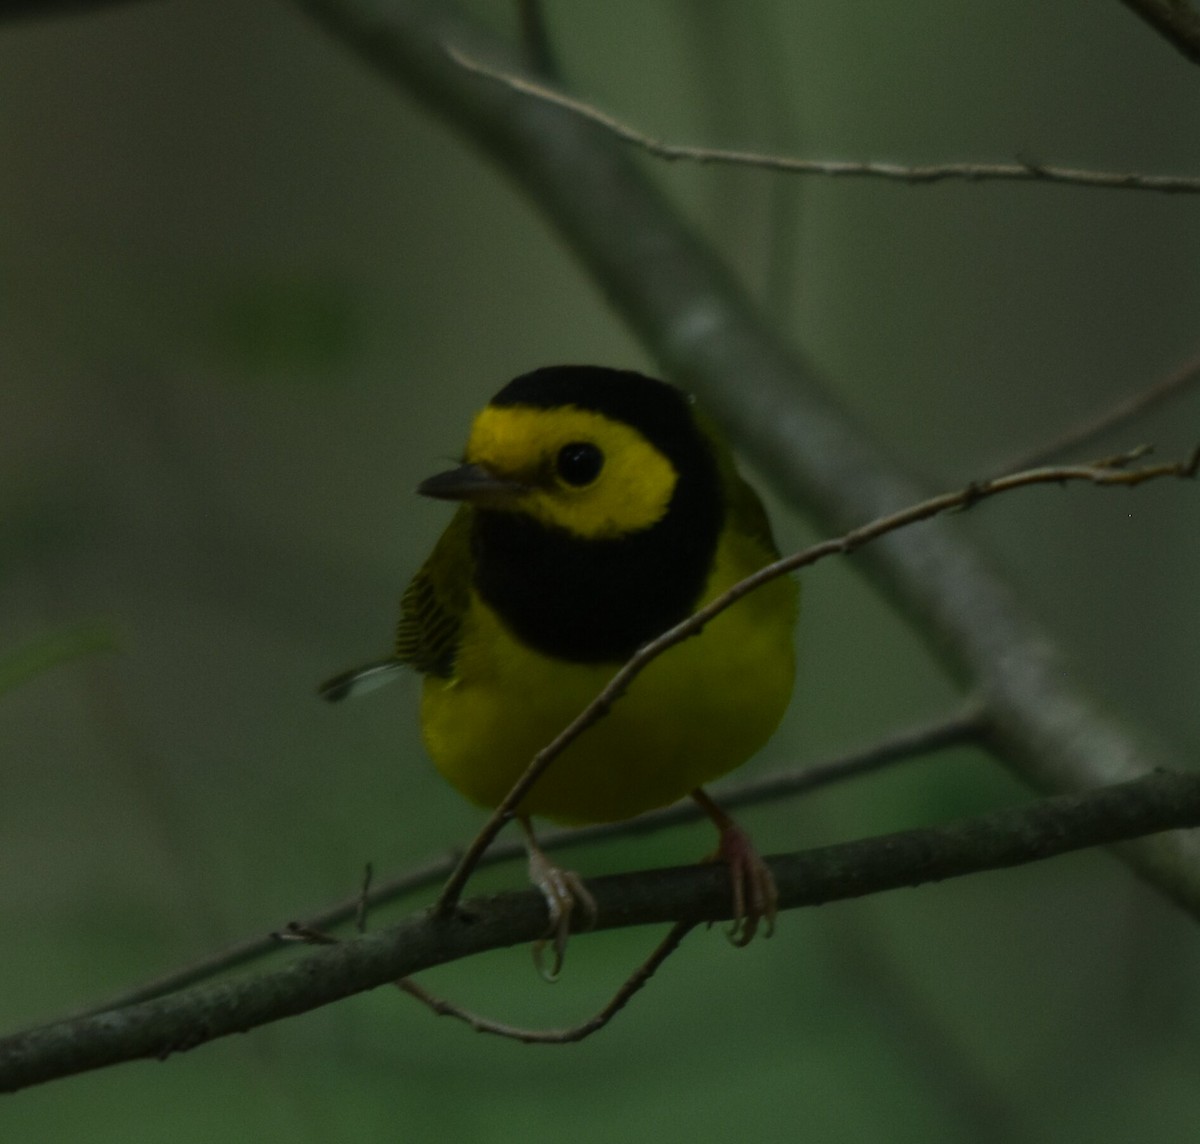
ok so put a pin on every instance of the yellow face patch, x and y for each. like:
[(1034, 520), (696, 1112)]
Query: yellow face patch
[(630, 490)]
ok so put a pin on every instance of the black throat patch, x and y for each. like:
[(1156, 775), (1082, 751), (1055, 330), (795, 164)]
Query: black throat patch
[(597, 601)]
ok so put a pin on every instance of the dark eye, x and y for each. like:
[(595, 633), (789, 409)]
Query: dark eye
[(579, 463)]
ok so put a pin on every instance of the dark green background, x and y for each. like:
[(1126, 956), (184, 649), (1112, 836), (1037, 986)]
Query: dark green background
[(250, 296)]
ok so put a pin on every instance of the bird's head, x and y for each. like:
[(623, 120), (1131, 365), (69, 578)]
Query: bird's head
[(590, 451)]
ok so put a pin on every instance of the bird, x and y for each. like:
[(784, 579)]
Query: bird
[(597, 507)]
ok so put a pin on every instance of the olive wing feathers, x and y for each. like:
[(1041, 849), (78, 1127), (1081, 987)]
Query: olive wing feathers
[(435, 602)]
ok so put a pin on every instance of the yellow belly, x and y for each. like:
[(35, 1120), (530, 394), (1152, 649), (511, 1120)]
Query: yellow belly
[(693, 714)]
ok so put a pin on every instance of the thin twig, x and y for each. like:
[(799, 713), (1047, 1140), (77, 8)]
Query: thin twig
[(920, 740), (443, 1008), (1120, 413), (965, 726), (632, 985), (1025, 170), (689, 312), (1109, 471)]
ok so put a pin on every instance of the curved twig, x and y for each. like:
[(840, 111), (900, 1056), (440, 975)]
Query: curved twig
[(631, 986), (1109, 471), (690, 314)]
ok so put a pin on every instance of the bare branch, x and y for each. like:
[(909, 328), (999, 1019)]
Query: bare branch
[(966, 726), (1175, 20), (1025, 170), (1110, 471), (632, 985), (1008, 837), (691, 315)]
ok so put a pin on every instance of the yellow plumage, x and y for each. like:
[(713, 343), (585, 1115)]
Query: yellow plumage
[(695, 713), (597, 510)]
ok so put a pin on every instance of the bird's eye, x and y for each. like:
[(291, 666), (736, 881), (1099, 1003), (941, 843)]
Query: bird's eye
[(579, 463)]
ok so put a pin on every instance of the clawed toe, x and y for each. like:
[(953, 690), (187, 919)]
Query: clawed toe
[(755, 895), (564, 891)]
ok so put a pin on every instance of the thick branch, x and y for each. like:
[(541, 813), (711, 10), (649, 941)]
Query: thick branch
[(155, 1029), (684, 305), (965, 727)]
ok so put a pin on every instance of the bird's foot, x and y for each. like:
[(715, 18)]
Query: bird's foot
[(755, 895), (564, 891)]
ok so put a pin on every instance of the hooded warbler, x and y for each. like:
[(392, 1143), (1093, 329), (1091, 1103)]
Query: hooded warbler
[(596, 510)]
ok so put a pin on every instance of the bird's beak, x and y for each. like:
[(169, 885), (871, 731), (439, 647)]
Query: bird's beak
[(471, 483)]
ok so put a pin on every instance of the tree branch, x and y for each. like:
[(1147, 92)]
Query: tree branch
[(965, 726), (1024, 171), (1009, 837), (1112, 471), (685, 306), (573, 1033), (969, 724), (1175, 20)]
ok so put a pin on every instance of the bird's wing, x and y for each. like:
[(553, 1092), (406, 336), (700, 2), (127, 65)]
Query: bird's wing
[(433, 606)]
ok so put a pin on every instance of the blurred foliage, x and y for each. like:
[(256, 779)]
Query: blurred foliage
[(22, 664), (249, 297), (287, 329)]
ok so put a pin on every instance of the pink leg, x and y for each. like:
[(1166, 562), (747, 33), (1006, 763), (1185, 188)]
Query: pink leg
[(755, 897), (563, 891)]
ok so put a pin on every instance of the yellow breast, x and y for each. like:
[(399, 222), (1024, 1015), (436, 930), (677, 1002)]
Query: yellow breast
[(693, 714)]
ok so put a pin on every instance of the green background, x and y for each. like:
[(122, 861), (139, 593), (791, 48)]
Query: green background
[(250, 296)]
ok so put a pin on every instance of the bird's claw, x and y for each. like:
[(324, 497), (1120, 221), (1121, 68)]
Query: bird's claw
[(755, 895), (564, 891)]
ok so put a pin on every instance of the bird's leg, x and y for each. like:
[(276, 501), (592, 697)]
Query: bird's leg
[(755, 897), (563, 891)]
